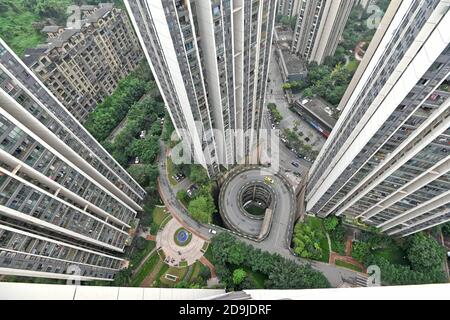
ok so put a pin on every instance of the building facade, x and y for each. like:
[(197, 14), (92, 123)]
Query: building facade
[(386, 163), (83, 65), (320, 24), (288, 8), (211, 61), (65, 203)]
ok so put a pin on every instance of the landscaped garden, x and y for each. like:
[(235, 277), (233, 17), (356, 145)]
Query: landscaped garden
[(241, 266), (417, 259), (310, 240)]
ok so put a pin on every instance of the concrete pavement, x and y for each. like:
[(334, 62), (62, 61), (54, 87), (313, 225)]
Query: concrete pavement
[(191, 252)]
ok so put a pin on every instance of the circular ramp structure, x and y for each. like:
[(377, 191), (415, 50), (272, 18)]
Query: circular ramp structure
[(252, 199)]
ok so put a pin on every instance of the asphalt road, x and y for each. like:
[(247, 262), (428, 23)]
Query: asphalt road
[(282, 210), (277, 241)]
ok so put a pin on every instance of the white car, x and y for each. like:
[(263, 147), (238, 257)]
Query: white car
[(136, 161), (212, 231)]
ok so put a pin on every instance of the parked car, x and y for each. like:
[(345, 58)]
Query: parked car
[(191, 190), (179, 176), (212, 231), (142, 135), (295, 164), (268, 180), (136, 161)]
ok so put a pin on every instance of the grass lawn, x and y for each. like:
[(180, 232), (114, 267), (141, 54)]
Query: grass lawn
[(165, 221), (138, 256), (208, 254), (159, 215), (148, 267), (160, 274), (317, 225), (178, 272), (393, 254), (352, 65), (171, 171), (347, 265), (197, 267)]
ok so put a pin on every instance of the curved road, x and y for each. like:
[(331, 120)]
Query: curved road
[(277, 241), (283, 211)]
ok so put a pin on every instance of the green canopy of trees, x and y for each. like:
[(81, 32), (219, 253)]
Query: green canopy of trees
[(275, 112), (424, 253), (446, 229), (198, 174), (202, 208), (306, 242), (425, 259), (228, 252), (239, 276)]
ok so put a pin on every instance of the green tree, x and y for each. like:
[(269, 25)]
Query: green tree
[(239, 276), (330, 223), (146, 149), (424, 252), (361, 251), (198, 174), (202, 208), (145, 175), (446, 229), (306, 242), (183, 196)]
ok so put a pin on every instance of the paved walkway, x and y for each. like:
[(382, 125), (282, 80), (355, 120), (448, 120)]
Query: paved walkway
[(208, 264), (348, 247), (174, 253), (335, 257)]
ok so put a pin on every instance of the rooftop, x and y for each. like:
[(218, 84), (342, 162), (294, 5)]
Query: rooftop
[(321, 109), (33, 54), (50, 29), (293, 63)]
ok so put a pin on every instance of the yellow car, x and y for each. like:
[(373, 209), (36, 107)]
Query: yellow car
[(268, 180)]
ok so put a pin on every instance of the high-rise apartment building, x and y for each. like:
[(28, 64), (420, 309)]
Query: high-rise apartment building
[(288, 7), (83, 64), (386, 162), (64, 200), (210, 59), (319, 28)]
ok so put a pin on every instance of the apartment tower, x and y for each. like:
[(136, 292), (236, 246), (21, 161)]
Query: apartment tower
[(386, 162), (319, 28), (288, 8), (65, 203), (83, 64), (210, 59)]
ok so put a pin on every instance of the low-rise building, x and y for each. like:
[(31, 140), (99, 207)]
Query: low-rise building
[(292, 68)]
